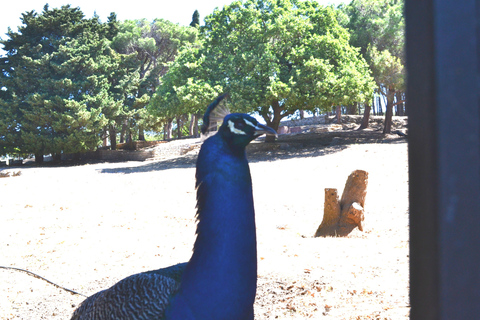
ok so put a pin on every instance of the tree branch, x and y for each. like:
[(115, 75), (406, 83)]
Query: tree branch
[(42, 278)]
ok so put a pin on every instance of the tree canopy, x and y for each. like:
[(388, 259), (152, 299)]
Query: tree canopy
[(276, 57), (195, 19), (150, 46), (67, 82), (56, 86), (377, 28)]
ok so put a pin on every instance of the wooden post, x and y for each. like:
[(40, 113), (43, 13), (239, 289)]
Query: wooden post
[(331, 214), (341, 217), (443, 62)]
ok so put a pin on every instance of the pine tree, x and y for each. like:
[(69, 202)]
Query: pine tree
[(59, 94), (149, 47), (377, 28), (195, 20)]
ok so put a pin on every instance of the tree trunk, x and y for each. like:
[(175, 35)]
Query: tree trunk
[(275, 122), (113, 137), (338, 110), (39, 157), (193, 128), (128, 134), (104, 137), (389, 113), (123, 132), (179, 127), (191, 125), (141, 134), (341, 217), (398, 97), (169, 127), (366, 117), (352, 109), (196, 132)]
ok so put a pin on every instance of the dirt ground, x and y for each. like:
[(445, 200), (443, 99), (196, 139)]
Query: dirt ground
[(87, 226)]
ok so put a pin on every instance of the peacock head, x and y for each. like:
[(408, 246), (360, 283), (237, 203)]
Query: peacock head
[(238, 129)]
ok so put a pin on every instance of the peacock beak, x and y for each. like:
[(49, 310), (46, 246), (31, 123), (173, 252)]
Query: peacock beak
[(262, 129)]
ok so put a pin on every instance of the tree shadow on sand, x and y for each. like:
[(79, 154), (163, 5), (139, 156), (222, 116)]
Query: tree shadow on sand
[(286, 147)]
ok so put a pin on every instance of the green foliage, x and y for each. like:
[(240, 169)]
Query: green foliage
[(387, 69), (184, 89), (195, 19), (67, 81), (150, 46), (378, 29), (55, 78), (153, 45), (273, 56)]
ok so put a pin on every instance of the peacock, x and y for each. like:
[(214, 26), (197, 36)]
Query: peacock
[(219, 281)]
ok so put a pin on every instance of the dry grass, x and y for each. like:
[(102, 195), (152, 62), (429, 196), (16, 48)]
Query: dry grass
[(85, 227)]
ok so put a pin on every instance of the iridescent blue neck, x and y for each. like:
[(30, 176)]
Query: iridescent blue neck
[(222, 273)]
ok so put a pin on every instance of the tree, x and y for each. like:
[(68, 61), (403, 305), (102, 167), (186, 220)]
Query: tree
[(185, 89), (151, 46), (377, 28), (279, 56), (195, 19), (388, 71), (57, 94)]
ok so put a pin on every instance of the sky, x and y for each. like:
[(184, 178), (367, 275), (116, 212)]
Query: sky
[(177, 11)]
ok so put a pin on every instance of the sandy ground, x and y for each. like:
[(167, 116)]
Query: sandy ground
[(85, 227)]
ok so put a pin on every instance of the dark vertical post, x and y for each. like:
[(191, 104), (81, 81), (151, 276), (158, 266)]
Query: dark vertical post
[(443, 93), (423, 166)]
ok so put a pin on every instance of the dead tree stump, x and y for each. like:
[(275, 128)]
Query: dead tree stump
[(341, 217)]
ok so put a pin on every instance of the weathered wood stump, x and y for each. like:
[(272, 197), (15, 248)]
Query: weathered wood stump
[(341, 217)]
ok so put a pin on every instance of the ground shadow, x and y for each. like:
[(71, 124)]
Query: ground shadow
[(186, 161), (286, 147)]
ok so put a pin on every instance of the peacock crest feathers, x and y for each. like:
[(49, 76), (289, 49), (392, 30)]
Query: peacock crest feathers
[(215, 114)]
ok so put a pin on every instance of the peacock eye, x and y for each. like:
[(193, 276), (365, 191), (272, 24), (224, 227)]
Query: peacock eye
[(239, 124)]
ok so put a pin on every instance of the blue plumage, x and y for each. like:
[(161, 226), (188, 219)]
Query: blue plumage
[(219, 281)]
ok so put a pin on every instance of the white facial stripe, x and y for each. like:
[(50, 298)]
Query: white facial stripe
[(249, 123), (231, 125)]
